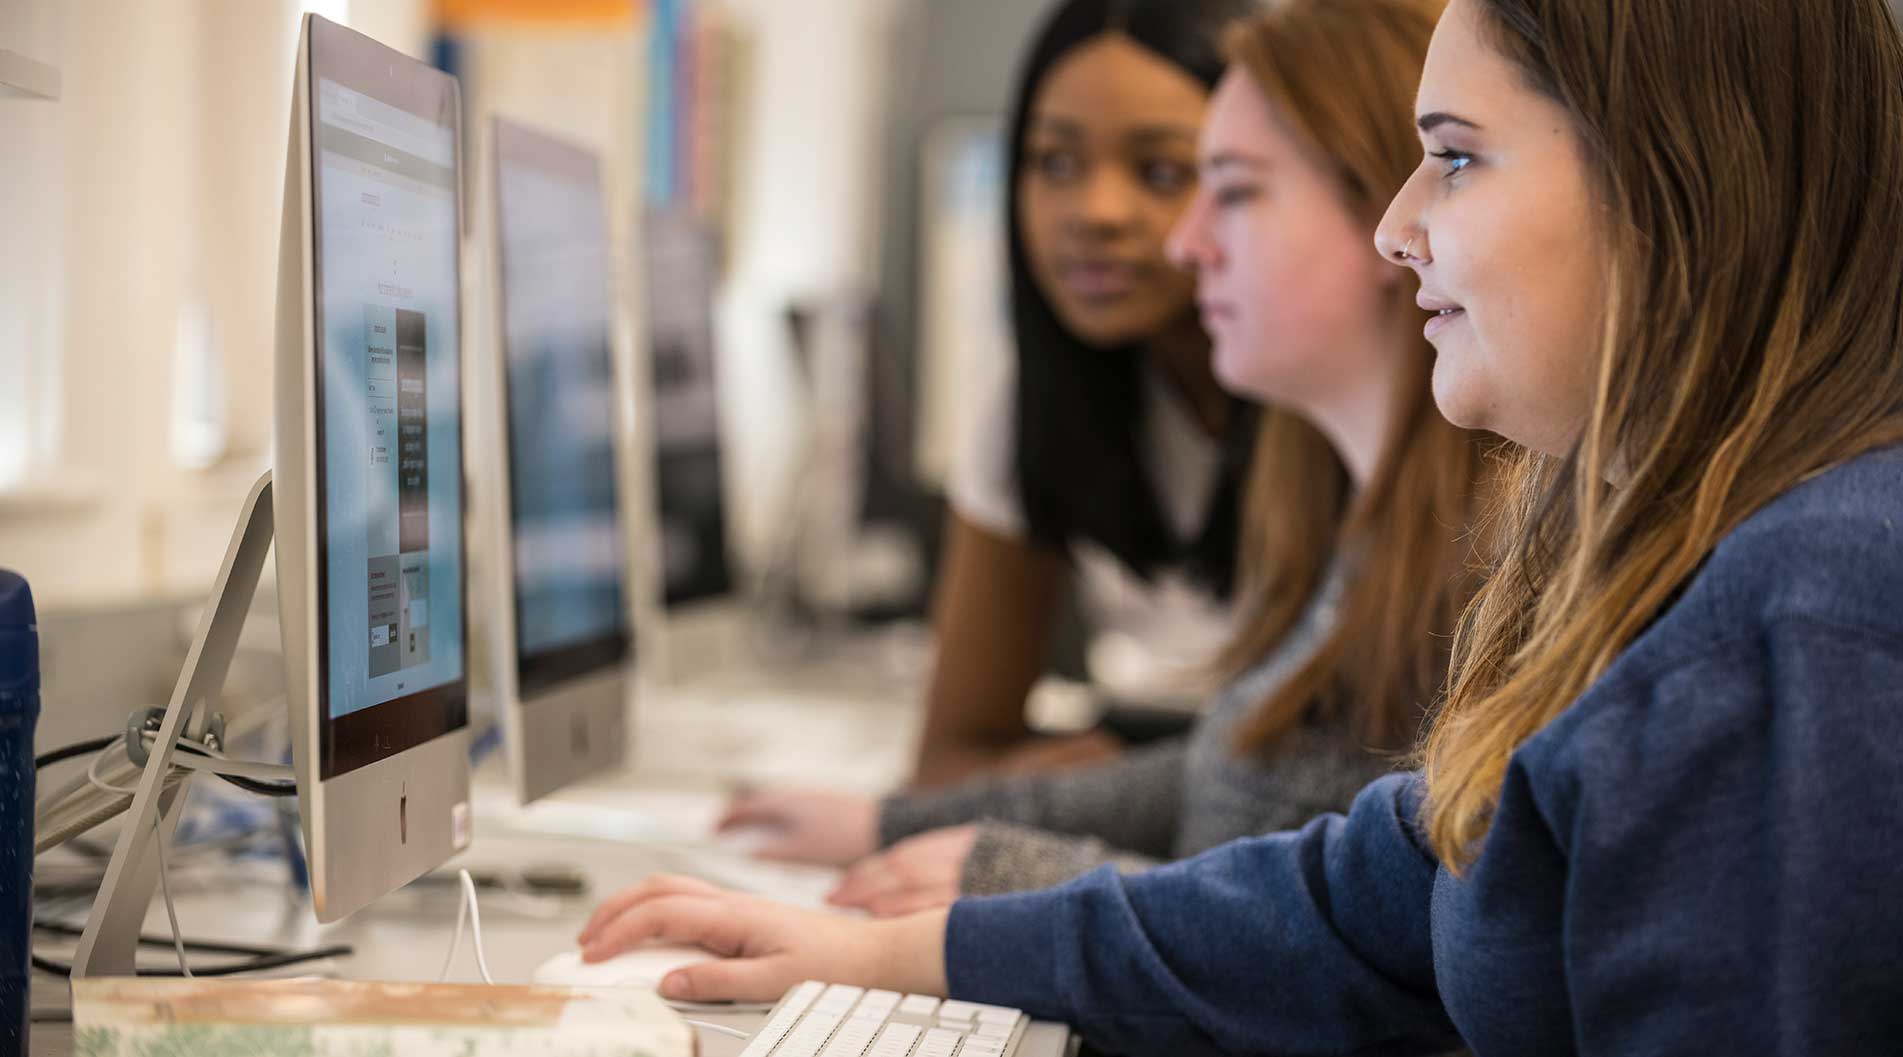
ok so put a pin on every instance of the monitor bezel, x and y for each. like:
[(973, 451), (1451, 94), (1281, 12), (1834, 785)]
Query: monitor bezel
[(356, 740)]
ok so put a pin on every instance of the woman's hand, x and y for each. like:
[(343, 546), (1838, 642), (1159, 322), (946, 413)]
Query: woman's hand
[(765, 947), (809, 826), (918, 873)]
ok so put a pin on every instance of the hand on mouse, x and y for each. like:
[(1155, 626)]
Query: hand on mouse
[(812, 826), (766, 947), (915, 874)]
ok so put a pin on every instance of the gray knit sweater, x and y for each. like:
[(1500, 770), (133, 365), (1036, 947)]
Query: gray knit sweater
[(1158, 803)]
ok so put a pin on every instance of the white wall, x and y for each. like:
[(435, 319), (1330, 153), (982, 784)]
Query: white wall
[(171, 150), (30, 255), (808, 194)]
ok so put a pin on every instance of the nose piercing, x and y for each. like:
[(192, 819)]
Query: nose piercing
[(1407, 250)]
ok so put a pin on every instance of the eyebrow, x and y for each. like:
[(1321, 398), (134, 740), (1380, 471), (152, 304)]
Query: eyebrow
[(1430, 122), (1233, 160), (1163, 134), (1144, 134)]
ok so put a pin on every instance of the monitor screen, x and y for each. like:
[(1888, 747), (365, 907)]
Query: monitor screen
[(680, 256), (389, 408), (552, 232)]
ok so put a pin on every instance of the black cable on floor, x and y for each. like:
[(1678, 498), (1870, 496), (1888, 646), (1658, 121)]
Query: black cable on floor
[(61, 928), (81, 748), (254, 965)]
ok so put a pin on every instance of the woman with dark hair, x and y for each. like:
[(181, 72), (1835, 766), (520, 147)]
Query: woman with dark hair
[(1659, 811), (1105, 456), (1112, 455)]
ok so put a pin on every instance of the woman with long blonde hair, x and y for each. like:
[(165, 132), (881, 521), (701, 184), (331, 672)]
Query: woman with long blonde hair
[(1661, 807)]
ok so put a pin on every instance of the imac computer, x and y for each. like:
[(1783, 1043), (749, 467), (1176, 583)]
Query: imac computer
[(368, 475), (562, 647), (364, 504)]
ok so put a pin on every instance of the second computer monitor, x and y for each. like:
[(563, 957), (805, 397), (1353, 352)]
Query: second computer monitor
[(564, 647)]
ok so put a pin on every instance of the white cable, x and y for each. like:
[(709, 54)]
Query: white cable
[(467, 908), (720, 1029), (51, 795), (475, 925), (165, 886), (92, 776)]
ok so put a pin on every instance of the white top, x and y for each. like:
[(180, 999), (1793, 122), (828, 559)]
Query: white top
[(1149, 642)]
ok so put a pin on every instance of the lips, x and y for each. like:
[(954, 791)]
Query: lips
[(1445, 313), (1099, 280)]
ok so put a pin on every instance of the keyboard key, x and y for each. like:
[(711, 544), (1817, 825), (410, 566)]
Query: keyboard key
[(852, 1038), (783, 1019), (895, 1041), (939, 1042), (977, 1047), (919, 1005), (957, 1012), (993, 1029), (839, 998), (812, 1033), (878, 1004), (997, 1015)]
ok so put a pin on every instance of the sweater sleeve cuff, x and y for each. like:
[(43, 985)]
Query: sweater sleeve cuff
[(903, 815), (1007, 858), (999, 950)]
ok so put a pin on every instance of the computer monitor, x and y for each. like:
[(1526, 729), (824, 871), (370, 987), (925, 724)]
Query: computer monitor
[(562, 649), (368, 476), (680, 258)]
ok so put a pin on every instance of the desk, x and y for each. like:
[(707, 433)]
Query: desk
[(835, 719)]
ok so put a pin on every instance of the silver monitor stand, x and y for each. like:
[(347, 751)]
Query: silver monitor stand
[(110, 942)]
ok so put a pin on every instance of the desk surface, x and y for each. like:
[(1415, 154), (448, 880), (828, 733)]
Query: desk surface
[(691, 745)]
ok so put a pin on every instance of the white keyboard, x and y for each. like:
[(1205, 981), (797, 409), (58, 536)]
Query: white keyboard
[(821, 1020)]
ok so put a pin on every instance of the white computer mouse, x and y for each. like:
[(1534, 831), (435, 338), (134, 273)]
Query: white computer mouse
[(643, 967)]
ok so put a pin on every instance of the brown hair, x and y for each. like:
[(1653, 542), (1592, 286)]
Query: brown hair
[(1749, 160), (1343, 74)]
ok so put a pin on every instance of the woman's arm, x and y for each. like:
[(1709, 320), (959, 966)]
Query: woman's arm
[(996, 606), (1314, 941), (1310, 941), (1133, 802), (1034, 831)]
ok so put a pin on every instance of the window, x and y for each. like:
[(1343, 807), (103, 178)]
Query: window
[(32, 264)]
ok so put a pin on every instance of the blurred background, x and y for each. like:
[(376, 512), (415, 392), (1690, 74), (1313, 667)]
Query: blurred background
[(834, 164)]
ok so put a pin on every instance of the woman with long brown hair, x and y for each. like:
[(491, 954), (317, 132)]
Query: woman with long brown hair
[(1355, 559), (1662, 805)]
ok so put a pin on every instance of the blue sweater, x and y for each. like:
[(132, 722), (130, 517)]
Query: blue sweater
[(1703, 854)]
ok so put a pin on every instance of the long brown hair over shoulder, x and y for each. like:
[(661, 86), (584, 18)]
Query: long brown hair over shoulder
[(1748, 157), (1343, 74)]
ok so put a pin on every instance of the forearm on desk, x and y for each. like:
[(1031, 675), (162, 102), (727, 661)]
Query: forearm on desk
[(1133, 802)]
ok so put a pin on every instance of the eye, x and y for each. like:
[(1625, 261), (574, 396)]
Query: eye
[(1236, 195), (1167, 177), (1456, 161), (1056, 166)]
